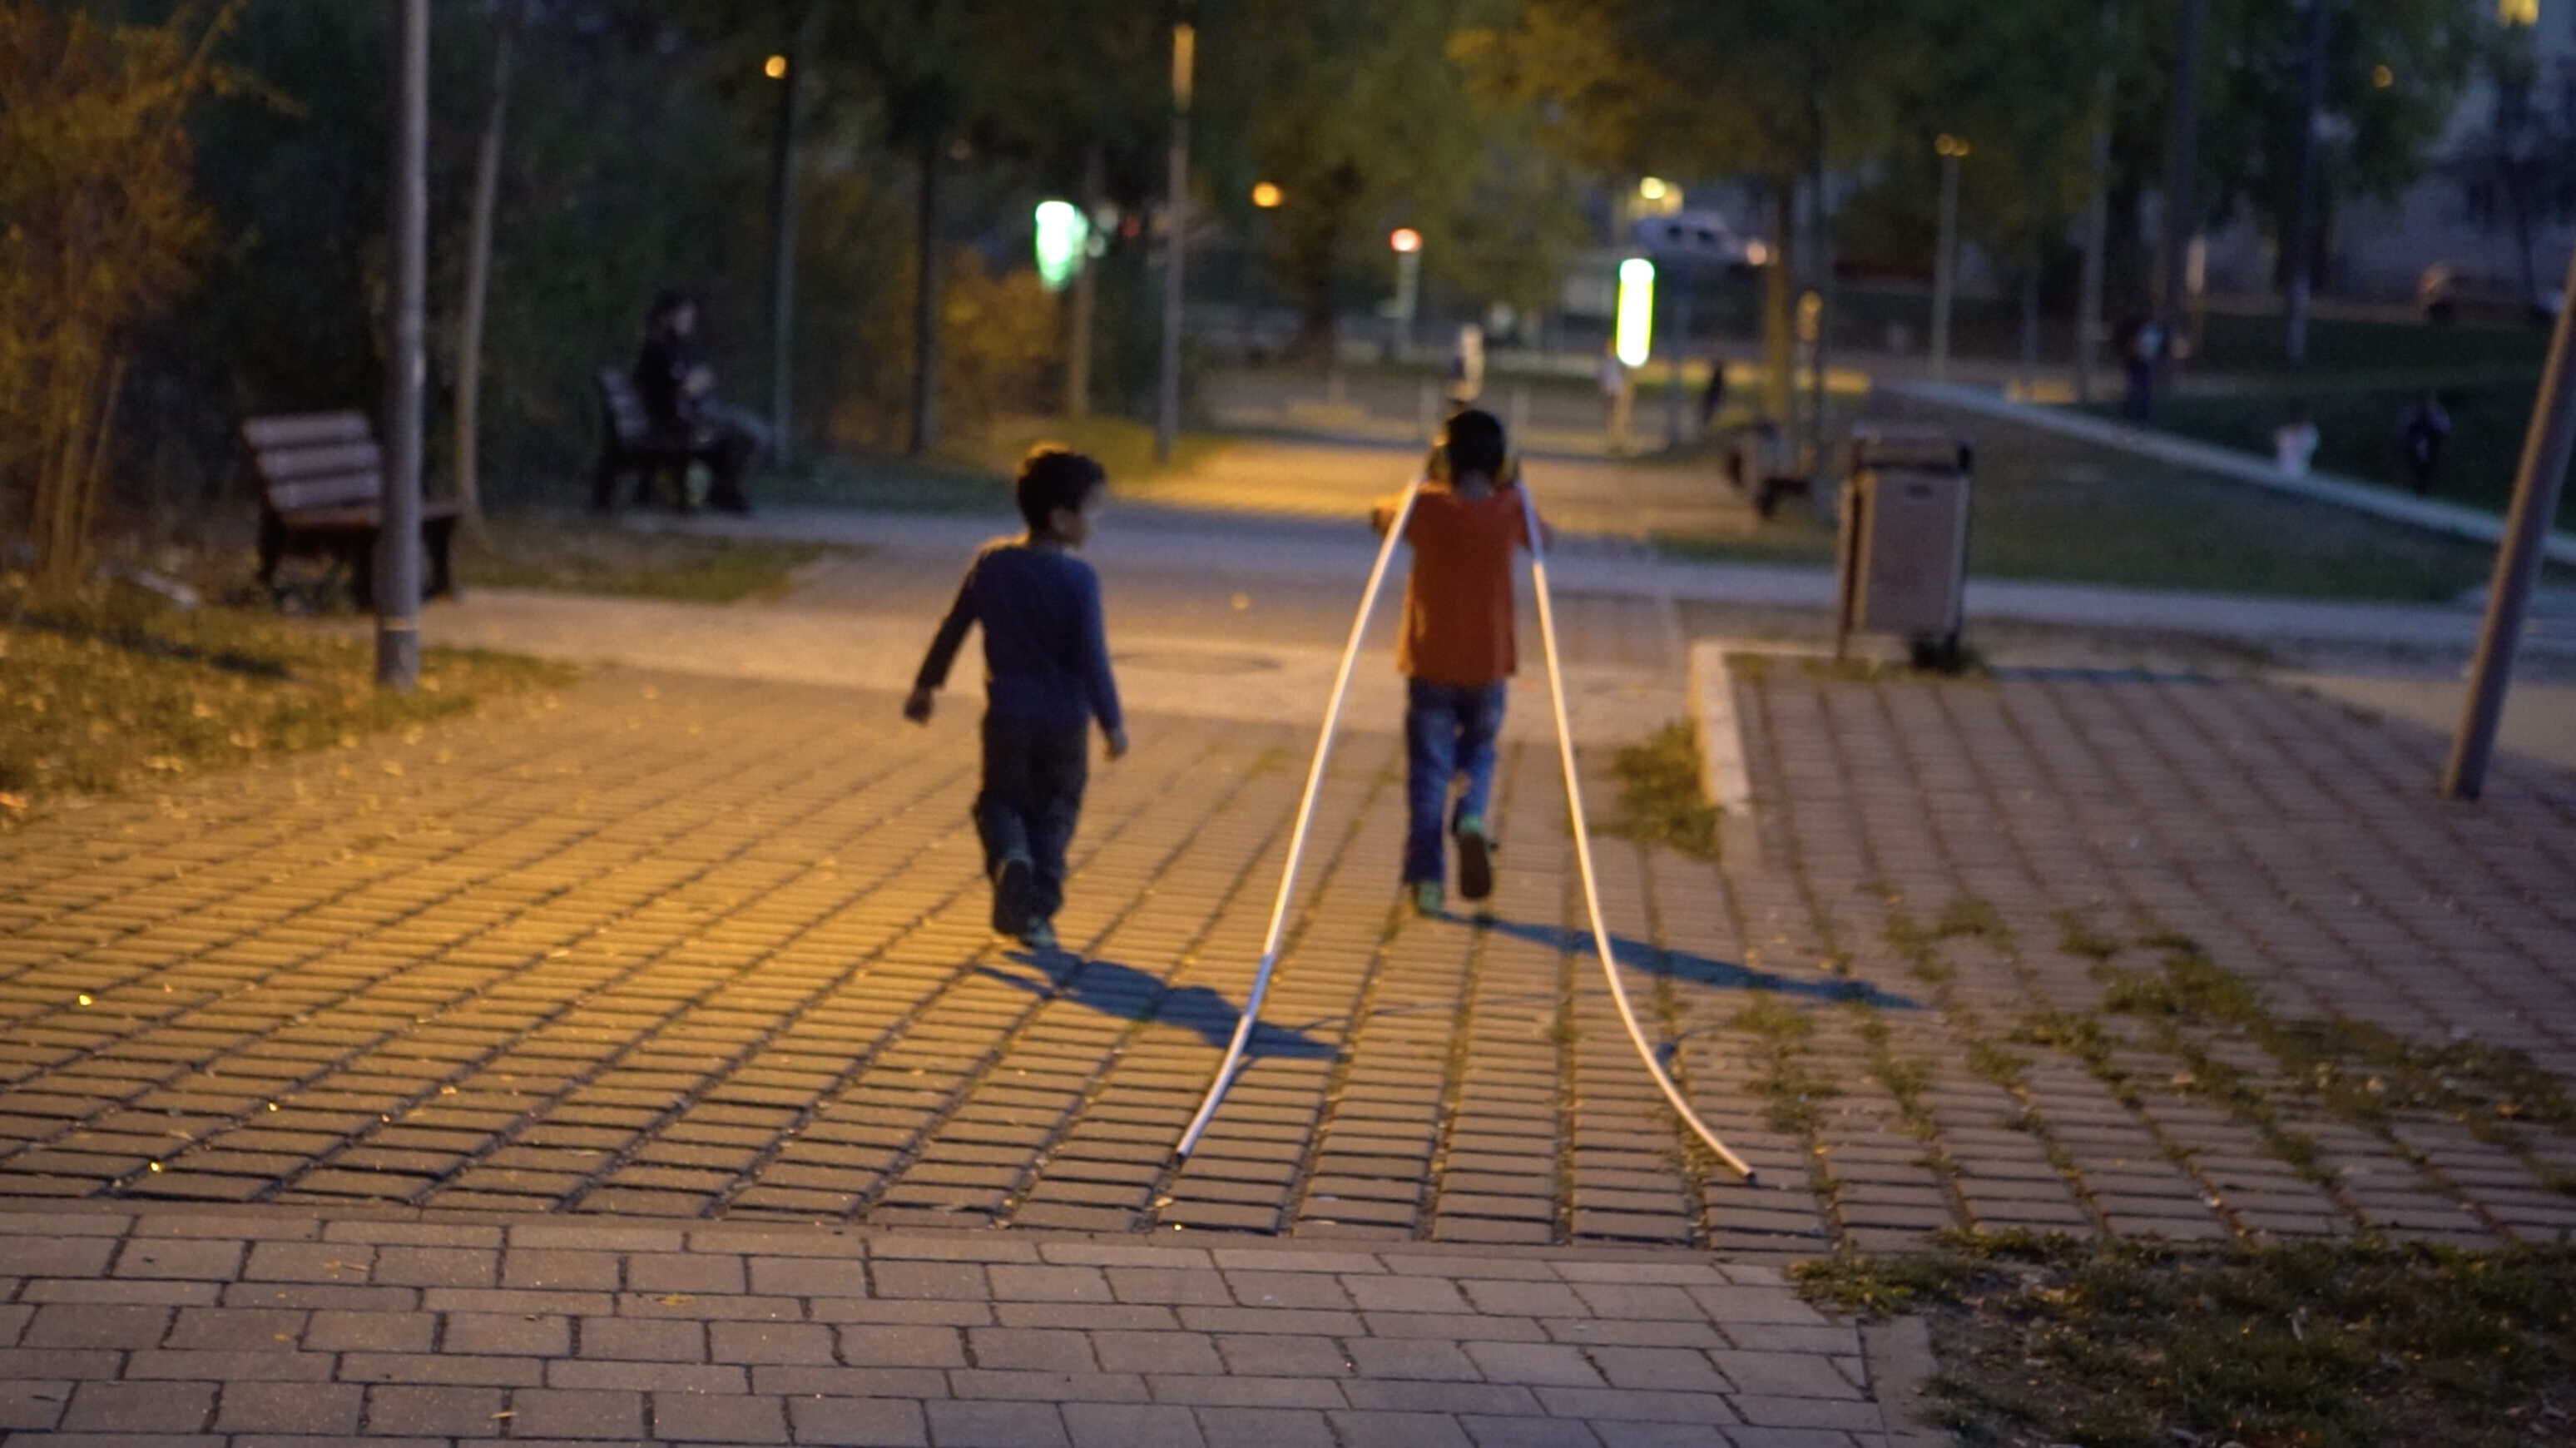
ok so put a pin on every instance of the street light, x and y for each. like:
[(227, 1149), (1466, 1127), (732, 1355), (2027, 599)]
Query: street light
[(1407, 246), (1945, 262), (1267, 196), (1634, 337), (1063, 238), (776, 69)]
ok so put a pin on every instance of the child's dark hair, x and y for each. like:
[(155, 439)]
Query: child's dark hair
[(1473, 443), (1053, 477)]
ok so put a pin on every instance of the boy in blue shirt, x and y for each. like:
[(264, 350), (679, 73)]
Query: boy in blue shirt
[(1046, 678)]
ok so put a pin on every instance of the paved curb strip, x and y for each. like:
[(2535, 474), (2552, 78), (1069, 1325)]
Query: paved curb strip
[(1723, 780)]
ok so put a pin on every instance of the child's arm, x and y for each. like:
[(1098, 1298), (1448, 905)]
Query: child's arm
[(1102, 684), (943, 651)]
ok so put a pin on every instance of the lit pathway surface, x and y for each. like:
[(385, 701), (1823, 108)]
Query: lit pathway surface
[(508, 1029)]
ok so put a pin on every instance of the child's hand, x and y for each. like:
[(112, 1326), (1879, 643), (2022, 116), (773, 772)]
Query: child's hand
[(916, 706), (1117, 744)]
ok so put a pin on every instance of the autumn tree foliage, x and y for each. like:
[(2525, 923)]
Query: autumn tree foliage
[(98, 232)]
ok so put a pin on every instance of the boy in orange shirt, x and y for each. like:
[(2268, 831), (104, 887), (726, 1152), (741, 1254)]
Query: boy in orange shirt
[(1457, 651)]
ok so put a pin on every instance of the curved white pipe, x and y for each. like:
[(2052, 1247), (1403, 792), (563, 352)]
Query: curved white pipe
[(1251, 1016), (1583, 849), (1244, 1024)]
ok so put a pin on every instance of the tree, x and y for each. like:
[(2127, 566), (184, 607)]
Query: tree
[(102, 230), (1999, 82), (2519, 164), (478, 265), (2394, 72), (1781, 91), (1356, 110)]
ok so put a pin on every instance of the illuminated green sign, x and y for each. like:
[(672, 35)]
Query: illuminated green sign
[(1063, 235)]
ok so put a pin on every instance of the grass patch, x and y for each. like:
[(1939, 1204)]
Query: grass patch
[(569, 555), (2357, 434), (1659, 795), (2044, 1340), (109, 690), (2058, 508)]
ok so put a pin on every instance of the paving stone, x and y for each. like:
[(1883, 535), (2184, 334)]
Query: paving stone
[(135, 1408), (290, 1408), (996, 1425), (695, 1418), (859, 1422), (1133, 1425)]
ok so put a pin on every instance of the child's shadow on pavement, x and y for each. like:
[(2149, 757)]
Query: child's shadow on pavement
[(1130, 994), (1681, 965)]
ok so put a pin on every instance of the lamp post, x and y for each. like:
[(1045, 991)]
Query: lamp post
[(1176, 207), (397, 580), (1945, 255), (1407, 245)]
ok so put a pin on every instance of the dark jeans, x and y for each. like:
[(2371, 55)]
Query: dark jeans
[(1449, 735), (1032, 796), (727, 441)]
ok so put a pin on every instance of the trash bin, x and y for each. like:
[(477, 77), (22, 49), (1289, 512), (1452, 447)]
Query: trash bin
[(1903, 560)]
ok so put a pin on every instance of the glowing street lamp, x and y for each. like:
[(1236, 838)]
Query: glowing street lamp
[(1063, 239), (776, 69), (1634, 338), (1267, 196), (1405, 240)]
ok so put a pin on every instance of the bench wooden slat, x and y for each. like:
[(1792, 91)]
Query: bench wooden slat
[(366, 518), (324, 492), (283, 465), (305, 429)]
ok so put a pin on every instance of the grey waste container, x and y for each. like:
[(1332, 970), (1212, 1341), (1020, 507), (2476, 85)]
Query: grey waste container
[(1903, 561)]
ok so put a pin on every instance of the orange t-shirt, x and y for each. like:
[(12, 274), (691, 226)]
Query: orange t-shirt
[(1458, 601)]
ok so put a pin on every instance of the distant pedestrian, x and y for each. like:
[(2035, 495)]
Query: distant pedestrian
[(1712, 398), (677, 389), (1046, 678), (2142, 349), (1618, 395), (2422, 434), (1467, 367), (2294, 444), (1456, 652)]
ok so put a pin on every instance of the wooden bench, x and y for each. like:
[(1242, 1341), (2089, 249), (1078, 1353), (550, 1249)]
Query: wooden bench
[(322, 484), (627, 445)]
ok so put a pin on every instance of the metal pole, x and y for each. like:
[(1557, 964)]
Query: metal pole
[(2294, 340), (1176, 208), (782, 237), (2097, 212), (2545, 450), (397, 580), (2182, 151), (1945, 259)]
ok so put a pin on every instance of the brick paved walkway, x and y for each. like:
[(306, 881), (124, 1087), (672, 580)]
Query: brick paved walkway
[(274, 1329)]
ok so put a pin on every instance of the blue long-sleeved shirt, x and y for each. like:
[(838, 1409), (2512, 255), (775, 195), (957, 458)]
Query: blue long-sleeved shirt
[(1046, 652)]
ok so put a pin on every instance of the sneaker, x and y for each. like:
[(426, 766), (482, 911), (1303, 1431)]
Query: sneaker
[(1011, 880), (1040, 935), (1426, 897), (1475, 858)]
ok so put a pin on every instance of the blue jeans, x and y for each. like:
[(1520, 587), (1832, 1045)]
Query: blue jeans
[(1449, 735), (1032, 797)]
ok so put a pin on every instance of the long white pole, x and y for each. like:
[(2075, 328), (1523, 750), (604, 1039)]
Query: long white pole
[(1583, 853), (1243, 1025)]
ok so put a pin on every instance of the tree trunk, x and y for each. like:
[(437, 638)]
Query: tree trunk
[(925, 297), (2030, 318), (1086, 300), (478, 267), (782, 234), (1779, 350), (1819, 416)]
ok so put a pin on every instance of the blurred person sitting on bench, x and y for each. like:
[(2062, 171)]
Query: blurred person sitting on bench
[(678, 391)]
